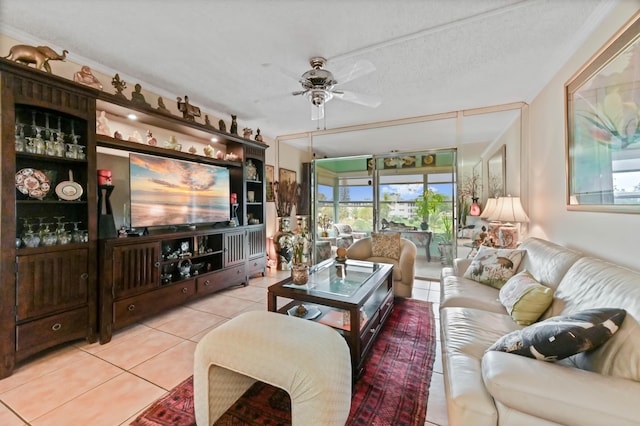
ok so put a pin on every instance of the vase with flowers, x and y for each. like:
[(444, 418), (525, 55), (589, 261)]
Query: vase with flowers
[(283, 240), (324, 223)]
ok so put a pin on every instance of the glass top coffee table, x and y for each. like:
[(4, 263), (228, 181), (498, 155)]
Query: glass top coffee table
[(341, 295)]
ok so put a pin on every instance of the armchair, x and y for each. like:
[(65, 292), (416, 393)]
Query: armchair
[(403, 268), (344, 235)]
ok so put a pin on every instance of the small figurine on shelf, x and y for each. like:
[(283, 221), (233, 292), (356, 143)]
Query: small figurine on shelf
[(192, 149), (172, 143), (222, 126), (208, 151), (84, 76), (37, 55), (117, 135), (207, 122), (161, 106), (102, 124), (119, 85), (189, 112), (234, 125), (150, 139), (247, 132), (137, 96), (135, 137), (258, 137)]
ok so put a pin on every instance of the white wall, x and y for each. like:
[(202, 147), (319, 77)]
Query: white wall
[(612, 236)]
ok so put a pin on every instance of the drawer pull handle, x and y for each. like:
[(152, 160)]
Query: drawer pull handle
[(207, 282), (56, 327), (157, 264), (84, 275), (184, 290), (131, 307)]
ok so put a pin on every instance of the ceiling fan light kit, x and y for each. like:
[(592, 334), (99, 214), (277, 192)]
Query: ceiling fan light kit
[(318, 85)]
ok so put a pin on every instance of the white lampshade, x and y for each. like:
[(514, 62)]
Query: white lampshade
[(509, 209), (489, 208)]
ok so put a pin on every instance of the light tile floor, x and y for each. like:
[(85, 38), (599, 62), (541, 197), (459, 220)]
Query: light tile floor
[(93, 384)]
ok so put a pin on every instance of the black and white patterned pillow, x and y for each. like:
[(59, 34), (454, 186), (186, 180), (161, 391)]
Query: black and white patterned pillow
[(560, 337)]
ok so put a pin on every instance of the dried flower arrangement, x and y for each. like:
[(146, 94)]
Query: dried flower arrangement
[(285, 194)]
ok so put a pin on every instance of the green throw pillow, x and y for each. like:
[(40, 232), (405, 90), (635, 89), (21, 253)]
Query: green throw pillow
[(561, 337), (525, 298), (494, 267)]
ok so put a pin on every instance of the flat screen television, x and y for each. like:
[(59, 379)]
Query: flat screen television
[(166, 191)]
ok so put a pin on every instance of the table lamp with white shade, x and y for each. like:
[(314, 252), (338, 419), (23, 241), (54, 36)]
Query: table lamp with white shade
[(510, 214)]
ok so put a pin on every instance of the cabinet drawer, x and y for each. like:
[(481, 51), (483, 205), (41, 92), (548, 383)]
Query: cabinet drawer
[(220, 280), (256, 265), (47, 332), (386, 307), (210, 283), (368, 333), (132, 309), (232, 276)]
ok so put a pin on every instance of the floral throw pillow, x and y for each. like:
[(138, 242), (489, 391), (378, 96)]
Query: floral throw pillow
[(560, 337), (494, 267), (385, 245)]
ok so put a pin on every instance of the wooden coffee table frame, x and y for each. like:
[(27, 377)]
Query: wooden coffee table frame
[(374, 298)]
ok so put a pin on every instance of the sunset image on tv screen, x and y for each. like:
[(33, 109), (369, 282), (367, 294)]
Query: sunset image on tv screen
[(166, 191)]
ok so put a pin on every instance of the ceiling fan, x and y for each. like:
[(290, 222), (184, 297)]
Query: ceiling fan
[(319, 85)]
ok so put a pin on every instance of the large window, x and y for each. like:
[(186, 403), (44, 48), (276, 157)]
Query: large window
[(398, 195)]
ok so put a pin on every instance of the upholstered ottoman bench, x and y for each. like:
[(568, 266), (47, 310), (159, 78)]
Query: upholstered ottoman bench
[(308, 360)]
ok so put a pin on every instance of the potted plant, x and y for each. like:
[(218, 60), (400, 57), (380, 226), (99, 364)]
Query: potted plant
[(445, 245), (324, 222), (428, 204)]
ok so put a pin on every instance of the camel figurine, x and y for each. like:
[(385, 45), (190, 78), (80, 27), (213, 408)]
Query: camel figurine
[(40, 56)]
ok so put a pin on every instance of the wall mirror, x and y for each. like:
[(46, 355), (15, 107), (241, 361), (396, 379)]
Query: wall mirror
[(603, 127), (496, 173)]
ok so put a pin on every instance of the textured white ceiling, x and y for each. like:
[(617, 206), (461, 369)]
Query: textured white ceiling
[(431, 56)]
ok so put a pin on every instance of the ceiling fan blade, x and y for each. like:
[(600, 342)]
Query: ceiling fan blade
[(356, 70), (299, 92), (371, 101), (283, 70)]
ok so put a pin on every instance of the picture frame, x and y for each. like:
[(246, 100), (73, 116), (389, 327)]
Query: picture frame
[(269, 173), (286, 175), (602, 119), (497, 173)]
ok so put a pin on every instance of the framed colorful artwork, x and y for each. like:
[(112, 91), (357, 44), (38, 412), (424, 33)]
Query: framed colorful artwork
[(603, 127)]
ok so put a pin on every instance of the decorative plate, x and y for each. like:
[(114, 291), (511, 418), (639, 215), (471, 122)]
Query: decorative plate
[(311, 313), (32, 182)]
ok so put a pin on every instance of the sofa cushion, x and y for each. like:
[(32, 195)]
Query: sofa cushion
[(461, 292), (560, 337), (385, 245), (547, 261), (592, 283), (465, 334), (493, 266), (525, 298)]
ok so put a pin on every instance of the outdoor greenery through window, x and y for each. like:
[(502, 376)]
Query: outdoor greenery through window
[(398, 195), (354, 206)]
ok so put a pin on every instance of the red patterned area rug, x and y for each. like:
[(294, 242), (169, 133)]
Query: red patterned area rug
[(393, 390)]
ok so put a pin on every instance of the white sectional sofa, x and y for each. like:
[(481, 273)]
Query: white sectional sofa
[(598, 387)]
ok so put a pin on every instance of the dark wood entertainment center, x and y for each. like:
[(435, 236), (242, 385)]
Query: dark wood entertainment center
[(89, 287)]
